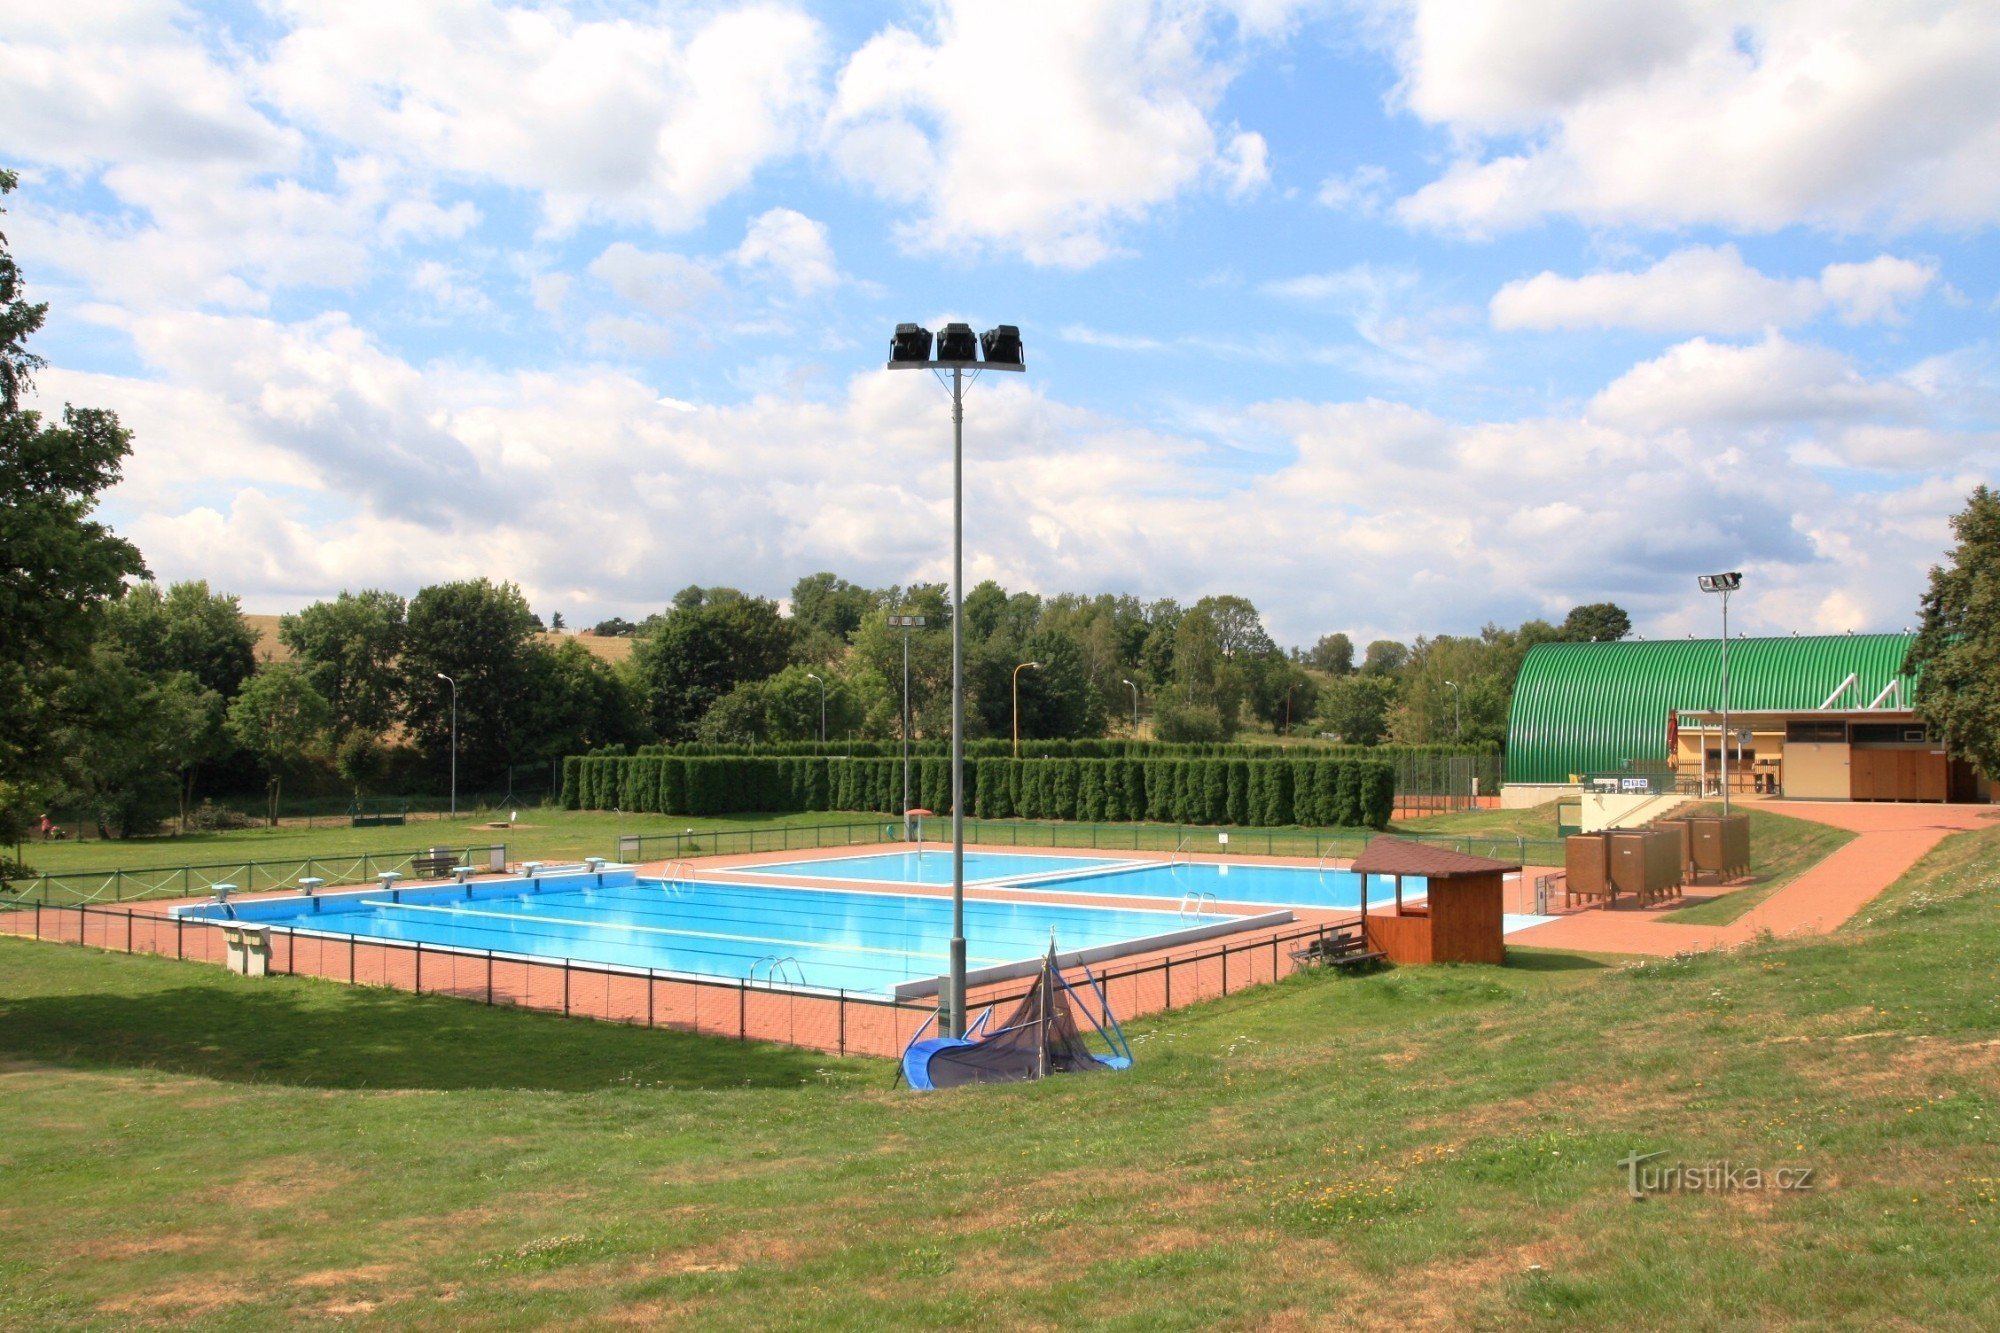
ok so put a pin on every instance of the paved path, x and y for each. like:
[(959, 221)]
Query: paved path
[(1889, 840)]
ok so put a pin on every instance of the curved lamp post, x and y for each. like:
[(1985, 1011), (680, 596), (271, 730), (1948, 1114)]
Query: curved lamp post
[(454, 740), (822, 706), (1135, 708), (958, 351), (1025, 666), (906, 624), (1457, 722)]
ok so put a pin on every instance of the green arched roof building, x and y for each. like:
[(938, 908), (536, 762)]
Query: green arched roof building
[(1589, 707)]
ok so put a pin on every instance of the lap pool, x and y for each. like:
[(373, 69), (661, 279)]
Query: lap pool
[(818, 939)]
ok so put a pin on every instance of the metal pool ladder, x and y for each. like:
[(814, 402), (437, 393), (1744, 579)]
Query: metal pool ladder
[(1194, 898), (677, 877), (775, 971)]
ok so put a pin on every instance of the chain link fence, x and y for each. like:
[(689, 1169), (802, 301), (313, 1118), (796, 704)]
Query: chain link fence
[(102, 886)]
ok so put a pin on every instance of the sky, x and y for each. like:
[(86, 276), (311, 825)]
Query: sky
[(1394, 316)]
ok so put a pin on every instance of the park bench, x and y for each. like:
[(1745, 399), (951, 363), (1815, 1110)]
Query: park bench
[(436, 864), (1343, 951)]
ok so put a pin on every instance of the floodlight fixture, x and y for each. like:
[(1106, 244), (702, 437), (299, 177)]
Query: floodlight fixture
[(957, 343), (910, 346), (1724, 584), (1721, 582), (1002, 346)]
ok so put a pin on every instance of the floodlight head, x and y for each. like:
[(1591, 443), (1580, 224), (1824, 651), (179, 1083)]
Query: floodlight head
[(956, 343), (1729, 582), (910, 346), (1002, 346)]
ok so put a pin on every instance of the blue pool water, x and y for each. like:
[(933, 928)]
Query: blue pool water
[(1285, 886), (930, 867), (850, 939)]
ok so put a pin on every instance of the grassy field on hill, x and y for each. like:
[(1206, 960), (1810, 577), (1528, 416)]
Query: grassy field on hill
[(1433, 1146)]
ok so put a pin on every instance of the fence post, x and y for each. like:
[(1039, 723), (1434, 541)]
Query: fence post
[(350, 960), (128, 930), (650, 983), (842, 1003), (489, 977), (742, 1011), (1225, 969), (118, 886), (1170, 981), (565, 988), (420, 967)]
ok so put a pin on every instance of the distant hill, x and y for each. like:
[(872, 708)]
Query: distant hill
[(269, 649)]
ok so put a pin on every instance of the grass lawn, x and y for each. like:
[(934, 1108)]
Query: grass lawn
[(1433, 1146), (1538, 821), (1781, 849), (541, 835)]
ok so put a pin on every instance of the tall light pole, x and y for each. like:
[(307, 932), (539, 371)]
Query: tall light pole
[(454, 740), (906, 624), (958, 351), (1724, 584), (1135, 708), (1457, 722), (822, 706), (1025, 666), (1288, 706)]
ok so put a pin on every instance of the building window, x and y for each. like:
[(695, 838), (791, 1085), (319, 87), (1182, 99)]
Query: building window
[(1817, 733)]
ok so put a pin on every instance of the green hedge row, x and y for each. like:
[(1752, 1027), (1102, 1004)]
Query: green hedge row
[(1242, 792), (1085, 748)]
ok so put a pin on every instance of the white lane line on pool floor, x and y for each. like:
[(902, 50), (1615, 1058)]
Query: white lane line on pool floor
[(524, 919)]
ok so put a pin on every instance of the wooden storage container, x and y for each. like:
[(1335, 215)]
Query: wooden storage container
[(1646, 863), (1587, 865), (1721, 844)]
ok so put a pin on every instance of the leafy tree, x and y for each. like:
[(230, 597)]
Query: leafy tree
[(1956, 654), (362, 761), (279, 717), (1598, 622), (1385, 657), (1356, 708), (1281, 694), (348, 648), (1333, 654), (556, 622), (830, 605), (580, 702), (615, 628), (127, 738), (481, 634), (740, 717), (1058, 699), (60, 565), (699, 651), (1239, 630), (186, 628)]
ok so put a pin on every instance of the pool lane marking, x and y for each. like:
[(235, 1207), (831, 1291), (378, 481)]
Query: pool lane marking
[(654, 930)]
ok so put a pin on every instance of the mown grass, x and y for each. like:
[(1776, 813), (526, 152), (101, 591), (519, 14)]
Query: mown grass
[(1427, 1146), (1538, 821), (1781, 849), (540, 834)]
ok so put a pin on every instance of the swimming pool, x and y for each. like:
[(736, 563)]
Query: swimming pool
[(848, 939), (932, 867)]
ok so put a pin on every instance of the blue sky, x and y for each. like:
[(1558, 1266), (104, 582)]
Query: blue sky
[(1394, 317)]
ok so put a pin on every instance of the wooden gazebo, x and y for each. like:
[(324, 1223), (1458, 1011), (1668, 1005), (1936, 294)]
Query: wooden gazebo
[(1458, 920)]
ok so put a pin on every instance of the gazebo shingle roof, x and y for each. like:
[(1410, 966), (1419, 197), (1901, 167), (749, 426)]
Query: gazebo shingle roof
[(1399, 856)]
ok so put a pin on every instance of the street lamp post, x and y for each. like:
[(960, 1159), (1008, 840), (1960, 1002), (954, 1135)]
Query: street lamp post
[(822, 705), (1135, 708), (1724, 584), (454, 740), (1457, 721), (1288, 706), (906, 624), (1025, 666), (958, 351)]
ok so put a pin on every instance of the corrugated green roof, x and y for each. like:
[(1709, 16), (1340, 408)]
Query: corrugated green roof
[(1588, 707)]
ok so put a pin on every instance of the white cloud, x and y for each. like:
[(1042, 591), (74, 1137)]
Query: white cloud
[(1876, 290), (1837, 113), (1774, 381), (664, 284), (1364, 190), (1038, 133), (1709, 289), (621, 118), (287, 461), (791, 247)]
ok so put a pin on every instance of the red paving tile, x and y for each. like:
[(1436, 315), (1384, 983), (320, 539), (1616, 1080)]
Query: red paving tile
[(1889, 840)]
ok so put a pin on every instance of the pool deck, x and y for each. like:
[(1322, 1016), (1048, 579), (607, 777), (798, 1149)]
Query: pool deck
[(1889, 839)]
